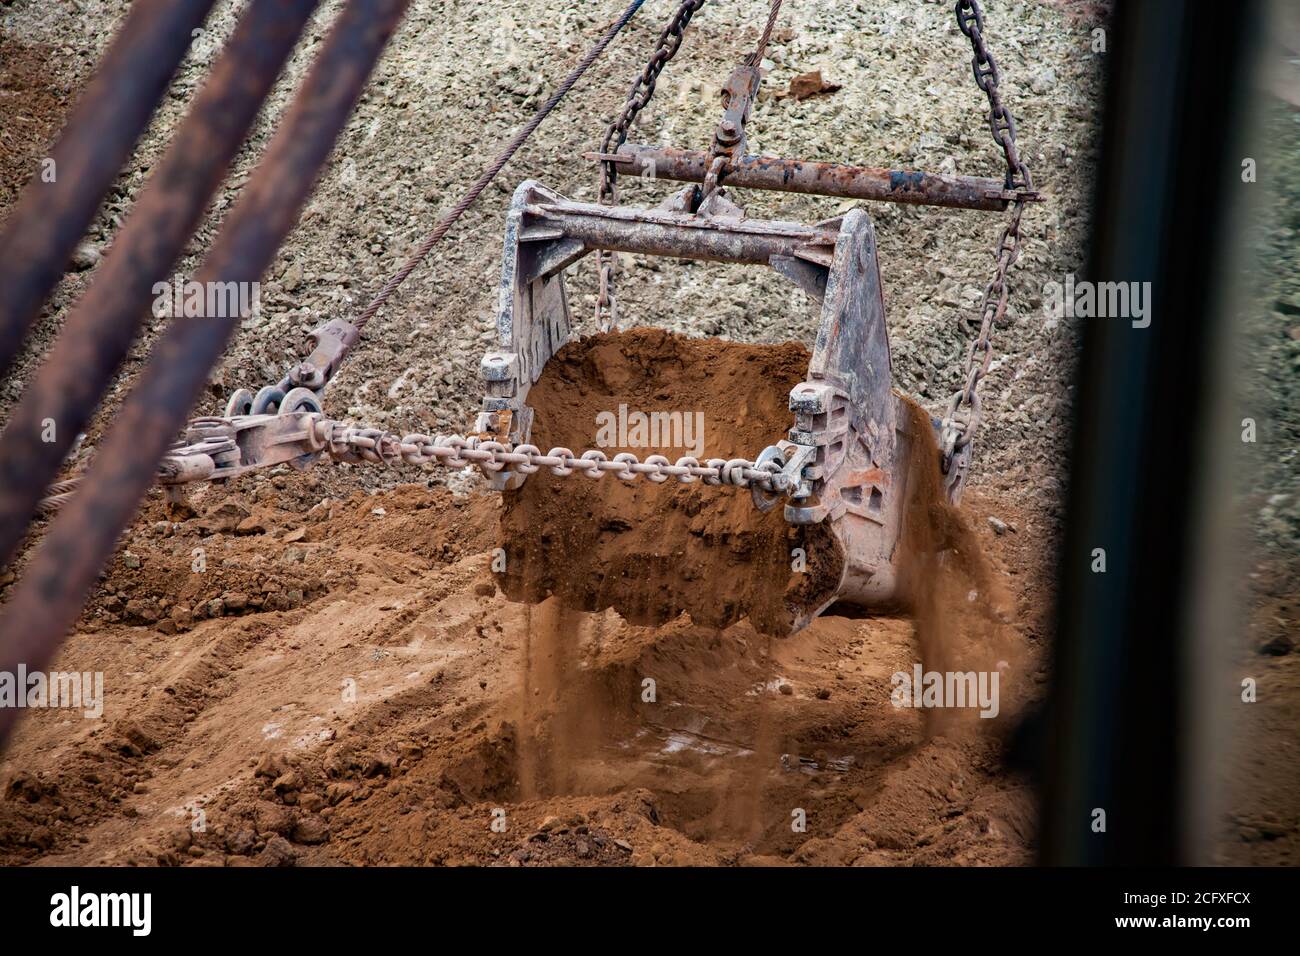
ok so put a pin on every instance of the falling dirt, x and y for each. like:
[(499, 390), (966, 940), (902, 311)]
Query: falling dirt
[(562, 716), (653, 550), (944, 579)]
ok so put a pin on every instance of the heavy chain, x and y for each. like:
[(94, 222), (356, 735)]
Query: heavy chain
[(642, 89), (970, 20), (217, 449), (346, 442), (314, 435), (963, 415)]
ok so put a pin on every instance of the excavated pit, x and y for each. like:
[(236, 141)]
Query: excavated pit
[(653, 551)]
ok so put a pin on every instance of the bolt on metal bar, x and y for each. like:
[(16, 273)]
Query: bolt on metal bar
[(99, 331), (57, 206), (816, 178), (49, 596)]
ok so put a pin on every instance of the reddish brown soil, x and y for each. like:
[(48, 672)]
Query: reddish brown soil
[(32, 107), (343, 682), (1261, 770), (648, 550)]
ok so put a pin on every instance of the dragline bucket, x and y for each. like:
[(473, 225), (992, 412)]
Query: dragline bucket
[(846, 455)]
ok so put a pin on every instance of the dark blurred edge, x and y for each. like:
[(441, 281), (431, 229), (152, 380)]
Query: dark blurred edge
[(1120, 732)]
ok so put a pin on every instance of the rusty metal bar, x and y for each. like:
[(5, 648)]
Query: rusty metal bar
[(52, 215), (48, 598), (649, 232), (100, 329), (819, 179)]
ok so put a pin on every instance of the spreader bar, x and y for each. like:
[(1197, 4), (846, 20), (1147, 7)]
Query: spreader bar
[(822, 179)]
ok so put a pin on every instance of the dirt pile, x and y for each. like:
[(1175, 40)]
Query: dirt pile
[(239, 553), (652, 551), (247, 566), (407, 712)]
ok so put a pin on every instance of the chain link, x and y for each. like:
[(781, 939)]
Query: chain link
[(970, 20), (964, 411), (642, 89), (345, 442), (349, 442)]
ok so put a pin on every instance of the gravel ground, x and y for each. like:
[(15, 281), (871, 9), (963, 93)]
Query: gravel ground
[(434, 114)]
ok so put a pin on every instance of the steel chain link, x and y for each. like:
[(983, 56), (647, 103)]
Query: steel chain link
[(970, 20), (346, 442), (642, 89), (964, 411)]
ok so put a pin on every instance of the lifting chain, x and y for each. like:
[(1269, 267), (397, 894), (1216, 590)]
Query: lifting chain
[(963, 414), (642, 89)]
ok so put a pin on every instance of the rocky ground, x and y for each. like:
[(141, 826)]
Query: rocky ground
[(344, 683)]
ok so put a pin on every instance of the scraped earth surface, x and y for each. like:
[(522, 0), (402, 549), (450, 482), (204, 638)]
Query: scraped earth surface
[(346, 684), (343, 682), (293, 678)]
